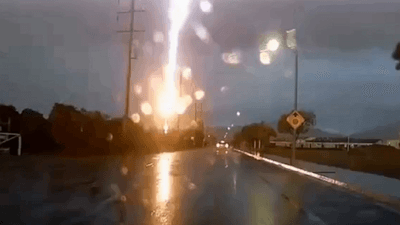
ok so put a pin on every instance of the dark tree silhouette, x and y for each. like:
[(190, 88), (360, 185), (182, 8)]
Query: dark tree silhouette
[(258, 132), (36, 133), (396, 56), (237, 139)]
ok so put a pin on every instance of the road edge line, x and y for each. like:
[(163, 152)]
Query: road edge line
[(375, 196), (296, 169)]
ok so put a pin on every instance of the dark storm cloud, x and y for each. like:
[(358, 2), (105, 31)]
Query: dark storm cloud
[(350, 28), (55, 52), (240, 24), (82, 22), (321, 25)]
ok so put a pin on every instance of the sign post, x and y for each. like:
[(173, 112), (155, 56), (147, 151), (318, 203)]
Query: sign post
[(295, 119)]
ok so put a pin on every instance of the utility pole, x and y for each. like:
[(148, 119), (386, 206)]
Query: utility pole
[(195, 111), (348, 143), (129, 72), (293, 158)]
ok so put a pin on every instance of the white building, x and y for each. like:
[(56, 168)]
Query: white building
[(393, 143)]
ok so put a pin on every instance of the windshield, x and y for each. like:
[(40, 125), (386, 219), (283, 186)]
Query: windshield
[(200, 111)]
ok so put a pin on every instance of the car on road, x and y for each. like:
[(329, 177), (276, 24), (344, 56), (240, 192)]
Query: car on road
[(222, 148)]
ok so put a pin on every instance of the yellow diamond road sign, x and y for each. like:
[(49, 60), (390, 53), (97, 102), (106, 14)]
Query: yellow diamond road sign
[(295, 119)]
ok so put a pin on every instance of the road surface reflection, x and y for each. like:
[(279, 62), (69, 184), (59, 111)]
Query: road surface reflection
[(163, 169)]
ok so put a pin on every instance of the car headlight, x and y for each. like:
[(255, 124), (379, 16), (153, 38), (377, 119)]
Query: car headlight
[(217, 145), (226, 146)]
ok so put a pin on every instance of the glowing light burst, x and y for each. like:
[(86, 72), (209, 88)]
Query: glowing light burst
[(167, 101), (178, 13), (166, 127)]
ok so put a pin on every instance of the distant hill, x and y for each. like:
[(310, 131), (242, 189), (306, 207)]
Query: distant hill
[(315, 132), (386, 132)]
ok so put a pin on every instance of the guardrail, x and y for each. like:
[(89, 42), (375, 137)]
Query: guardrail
[(10, 136)]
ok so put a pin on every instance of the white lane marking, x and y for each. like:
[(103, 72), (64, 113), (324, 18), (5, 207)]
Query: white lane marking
[(310, 215), (305, 172)]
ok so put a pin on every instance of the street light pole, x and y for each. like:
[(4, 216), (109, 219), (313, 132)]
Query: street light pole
[(180, 95), (293, 158)]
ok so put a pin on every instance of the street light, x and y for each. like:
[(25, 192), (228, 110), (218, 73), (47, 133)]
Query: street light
[(273, 45), (206, 6)]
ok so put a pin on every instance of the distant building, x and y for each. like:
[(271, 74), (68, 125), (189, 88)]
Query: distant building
[(328, 142), (393, 143)]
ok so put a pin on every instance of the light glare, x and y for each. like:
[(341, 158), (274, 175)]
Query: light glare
[(146, 108), (193, 124), (199, 95), (138, 89), (187, 73), (231, 58), (224, 89), (135, 117), (264, 58), (163, 187), (206, 6), (183, 103), (158, 37)]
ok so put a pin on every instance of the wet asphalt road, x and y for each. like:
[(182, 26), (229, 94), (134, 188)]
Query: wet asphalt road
[(201, 187), (189, 187)]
